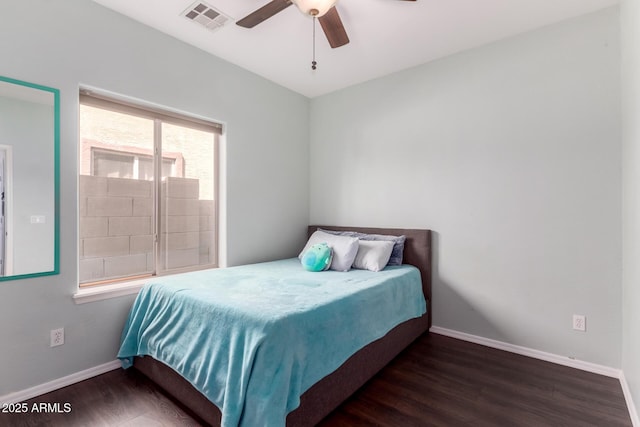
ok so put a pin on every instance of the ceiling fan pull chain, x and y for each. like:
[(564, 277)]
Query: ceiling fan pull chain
[(313, 61)]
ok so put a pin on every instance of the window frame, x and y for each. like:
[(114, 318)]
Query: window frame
[(133, 282)]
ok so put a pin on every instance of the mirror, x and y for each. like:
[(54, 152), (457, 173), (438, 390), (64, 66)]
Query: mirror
[(29, 179)]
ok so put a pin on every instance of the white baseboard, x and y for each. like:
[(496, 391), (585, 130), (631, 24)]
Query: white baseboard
[(633, 413), (549, 357), (21, 396), (525, 351)]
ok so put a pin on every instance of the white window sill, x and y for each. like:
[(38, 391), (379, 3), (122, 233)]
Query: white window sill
[(98, 293)]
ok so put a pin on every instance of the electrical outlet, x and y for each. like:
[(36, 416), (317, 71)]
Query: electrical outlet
[(57, 337), (579, 322)]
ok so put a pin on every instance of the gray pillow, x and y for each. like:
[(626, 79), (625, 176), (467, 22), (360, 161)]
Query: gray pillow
[(398, 242)]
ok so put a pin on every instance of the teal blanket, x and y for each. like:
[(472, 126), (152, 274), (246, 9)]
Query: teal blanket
[(254, 338)]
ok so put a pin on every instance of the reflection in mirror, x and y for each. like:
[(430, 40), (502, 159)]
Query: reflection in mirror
[(29, 144)]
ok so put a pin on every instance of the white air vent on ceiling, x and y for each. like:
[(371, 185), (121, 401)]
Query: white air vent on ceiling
[(205, 15)]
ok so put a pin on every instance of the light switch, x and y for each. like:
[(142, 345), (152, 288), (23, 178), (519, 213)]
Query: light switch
[(37, 219)]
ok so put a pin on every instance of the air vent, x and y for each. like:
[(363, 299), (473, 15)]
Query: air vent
[(206, 15)]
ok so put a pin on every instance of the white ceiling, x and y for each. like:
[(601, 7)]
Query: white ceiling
[(386, 35)]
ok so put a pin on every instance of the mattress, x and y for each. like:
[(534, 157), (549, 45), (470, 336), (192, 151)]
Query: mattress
[(253, 338)]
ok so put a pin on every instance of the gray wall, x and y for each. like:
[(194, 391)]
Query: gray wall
[(66, 44), (630, 20), (511, 153), (28, 128)]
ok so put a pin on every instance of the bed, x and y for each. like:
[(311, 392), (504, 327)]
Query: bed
[(328, 392)]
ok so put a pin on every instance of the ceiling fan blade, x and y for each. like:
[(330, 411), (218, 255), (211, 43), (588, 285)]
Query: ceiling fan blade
[(264, 13), (333, 28)]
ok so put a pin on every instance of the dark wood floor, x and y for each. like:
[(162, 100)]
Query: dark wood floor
[(438, 381)]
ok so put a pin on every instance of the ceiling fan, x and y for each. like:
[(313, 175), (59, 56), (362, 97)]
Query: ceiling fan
[(324, 10)]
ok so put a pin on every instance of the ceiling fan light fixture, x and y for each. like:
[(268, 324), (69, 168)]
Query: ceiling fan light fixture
[(315, 8)]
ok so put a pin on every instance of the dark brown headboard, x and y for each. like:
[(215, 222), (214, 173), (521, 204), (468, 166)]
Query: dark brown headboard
[(417, 250)]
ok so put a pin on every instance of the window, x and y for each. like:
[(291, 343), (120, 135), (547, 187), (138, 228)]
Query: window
[(147, 191), (122, 164)]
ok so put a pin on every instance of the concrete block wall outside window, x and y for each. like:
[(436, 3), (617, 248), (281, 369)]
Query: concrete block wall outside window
[(187, 225), (116, 227)]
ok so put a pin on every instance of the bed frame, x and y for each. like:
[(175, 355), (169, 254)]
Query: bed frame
[(327, 394)]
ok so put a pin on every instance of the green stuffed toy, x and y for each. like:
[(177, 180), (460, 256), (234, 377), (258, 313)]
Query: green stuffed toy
[(317, 258)]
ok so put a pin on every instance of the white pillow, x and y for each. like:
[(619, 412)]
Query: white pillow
[(344, 249), (373, 254)]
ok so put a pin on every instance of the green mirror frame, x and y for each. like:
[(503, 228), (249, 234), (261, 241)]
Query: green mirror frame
[(56, 179)]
